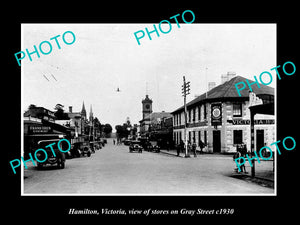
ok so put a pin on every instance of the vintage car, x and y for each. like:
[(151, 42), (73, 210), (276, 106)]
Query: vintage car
[(135, 146), (81, 149), (57, 157), (153, 146), (86, 149), (127, 142), (97, 145)]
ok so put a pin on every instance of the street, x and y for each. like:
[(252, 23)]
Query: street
[(113, 170)]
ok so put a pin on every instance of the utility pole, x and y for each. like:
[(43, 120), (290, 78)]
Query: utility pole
[(185, 92)]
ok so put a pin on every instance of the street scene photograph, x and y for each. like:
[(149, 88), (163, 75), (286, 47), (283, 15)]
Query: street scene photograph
[(130, 109)]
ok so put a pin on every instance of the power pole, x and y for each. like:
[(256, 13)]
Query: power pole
[(185, 92)]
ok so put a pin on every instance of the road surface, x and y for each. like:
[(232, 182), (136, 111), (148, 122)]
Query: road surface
[(114, 171)]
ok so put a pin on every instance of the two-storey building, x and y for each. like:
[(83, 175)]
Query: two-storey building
[(221, 118)]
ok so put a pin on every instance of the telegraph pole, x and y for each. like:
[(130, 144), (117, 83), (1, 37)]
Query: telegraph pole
[(185, 92)]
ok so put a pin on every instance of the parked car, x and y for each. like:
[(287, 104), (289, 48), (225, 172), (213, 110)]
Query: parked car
[(86, 150), (81, 149), (153, 146), (127, 142), (57, 158), (98, 145), (75, 150), (135, 146)]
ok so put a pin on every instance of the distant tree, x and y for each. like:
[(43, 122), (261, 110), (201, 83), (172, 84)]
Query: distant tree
[(120, 131), (60, 114), (97, 125), (58, 106), (107, 129), (31, 106)]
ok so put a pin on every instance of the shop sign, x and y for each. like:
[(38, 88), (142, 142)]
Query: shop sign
[(247, 122), (39, 129)]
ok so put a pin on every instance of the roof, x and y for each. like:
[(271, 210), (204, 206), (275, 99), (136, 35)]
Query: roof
[(72, 115), (228, 90), (155, 115)]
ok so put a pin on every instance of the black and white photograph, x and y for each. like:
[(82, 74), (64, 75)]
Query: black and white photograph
[(150, 113), (164, 116)]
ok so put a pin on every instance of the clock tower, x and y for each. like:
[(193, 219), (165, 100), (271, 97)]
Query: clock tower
[(147, 106)]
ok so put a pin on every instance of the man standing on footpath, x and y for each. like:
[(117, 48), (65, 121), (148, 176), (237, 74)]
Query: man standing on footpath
[(180, 147), (194, 148), (201, 145)]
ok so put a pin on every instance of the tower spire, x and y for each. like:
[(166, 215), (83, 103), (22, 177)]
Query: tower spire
[(146, 88), (83, 111), (91, 114)]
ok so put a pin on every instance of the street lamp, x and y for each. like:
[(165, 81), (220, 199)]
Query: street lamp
[(185, 92)]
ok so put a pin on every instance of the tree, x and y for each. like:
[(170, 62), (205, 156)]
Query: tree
[(97, 126), (107, 129), (60, 114), (31, 106)]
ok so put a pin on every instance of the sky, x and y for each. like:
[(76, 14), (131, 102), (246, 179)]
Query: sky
[(105, 57)]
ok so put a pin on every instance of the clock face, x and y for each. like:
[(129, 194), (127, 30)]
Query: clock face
[(147, 106), (216, 112)]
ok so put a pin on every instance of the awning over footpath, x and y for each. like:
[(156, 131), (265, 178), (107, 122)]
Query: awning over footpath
[(263, 109), (258, 109)]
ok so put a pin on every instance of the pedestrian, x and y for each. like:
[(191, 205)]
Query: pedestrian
[(235, 156), (189, 147), (114, 141), (201, 145), (167, 145), (243, 154), (180, 147), (194, 148), (241, 148)]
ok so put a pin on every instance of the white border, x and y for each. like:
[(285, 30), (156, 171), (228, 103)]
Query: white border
[(139, 194)]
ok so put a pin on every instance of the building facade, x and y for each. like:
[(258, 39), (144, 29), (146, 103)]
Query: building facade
[(221, 119)]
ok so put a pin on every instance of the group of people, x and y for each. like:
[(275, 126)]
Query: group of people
[(118, 141), (190, 146)]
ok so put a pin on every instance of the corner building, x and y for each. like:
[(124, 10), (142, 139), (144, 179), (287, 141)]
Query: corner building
[(220, 118)]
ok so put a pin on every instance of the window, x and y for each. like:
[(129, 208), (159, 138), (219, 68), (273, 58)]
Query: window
[(205, 114), (179, 115), (237, 137), (237, 110), (205, 137), (194, 114), (199, 113)]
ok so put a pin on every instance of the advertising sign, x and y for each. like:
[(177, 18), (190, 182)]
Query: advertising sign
[(216, 114)]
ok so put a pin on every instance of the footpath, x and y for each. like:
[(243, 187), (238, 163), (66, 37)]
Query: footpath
[(264, 173)]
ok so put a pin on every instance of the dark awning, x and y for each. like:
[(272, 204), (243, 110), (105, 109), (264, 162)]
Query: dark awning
[(263, 109)]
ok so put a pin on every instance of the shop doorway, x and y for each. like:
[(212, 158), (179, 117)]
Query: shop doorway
[(260, 140), (216, 141)]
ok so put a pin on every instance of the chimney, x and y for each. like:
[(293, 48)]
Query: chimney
[(230, 75), (211, 85), (227, 77), (70, 109), (224, 78)]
